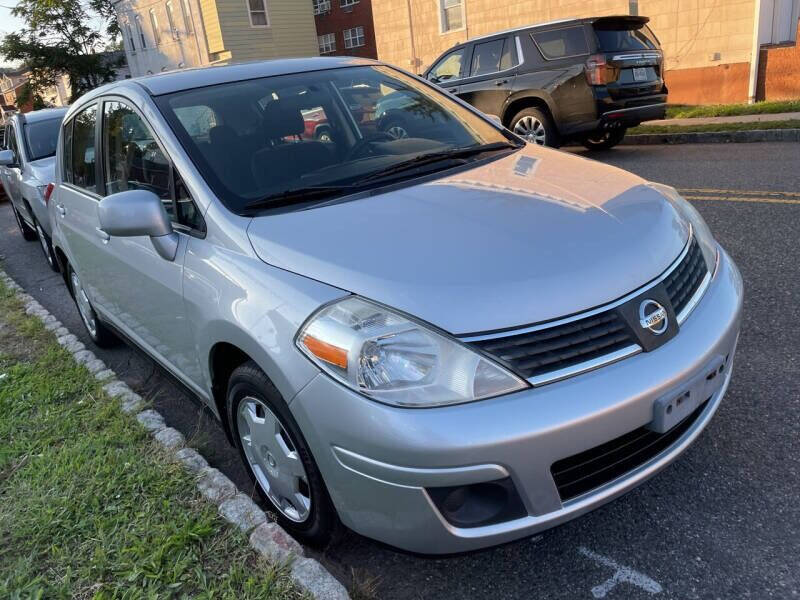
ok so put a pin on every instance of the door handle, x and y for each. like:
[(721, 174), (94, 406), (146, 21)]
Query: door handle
[(453, 90), (502, 82), (102, 234), (62, 211)]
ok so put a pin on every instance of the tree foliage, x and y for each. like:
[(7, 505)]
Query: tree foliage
[(62, 37)]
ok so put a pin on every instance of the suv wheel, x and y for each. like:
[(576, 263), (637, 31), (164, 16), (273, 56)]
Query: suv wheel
[(277, 457), (605, 139), (47, 247), (28, 234), (535, 127), (395, 129), (100, 334)]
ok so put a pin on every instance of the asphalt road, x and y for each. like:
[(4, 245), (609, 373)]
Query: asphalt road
[(722, 522)]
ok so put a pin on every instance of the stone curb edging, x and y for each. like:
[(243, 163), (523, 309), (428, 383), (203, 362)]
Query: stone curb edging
[(268, 539), (714, 137)]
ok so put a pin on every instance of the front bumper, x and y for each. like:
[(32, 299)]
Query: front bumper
[(377, 460)]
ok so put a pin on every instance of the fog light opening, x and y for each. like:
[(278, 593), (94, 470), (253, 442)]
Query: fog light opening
[(478, 504)]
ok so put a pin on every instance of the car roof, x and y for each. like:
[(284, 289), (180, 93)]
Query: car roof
[(44, 114), (629, 18)]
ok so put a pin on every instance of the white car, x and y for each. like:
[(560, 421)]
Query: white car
[(27, 168)]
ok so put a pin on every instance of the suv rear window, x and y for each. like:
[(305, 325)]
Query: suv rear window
[(561, 43), (615, 38)]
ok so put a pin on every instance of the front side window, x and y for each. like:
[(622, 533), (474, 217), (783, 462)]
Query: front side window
[(452, 15), (449, 67), (561, 43), (41, 138), (353, 38), (327, 43), (280, 140), (154, 25), (258, 13), (83, 155), (490, 57)]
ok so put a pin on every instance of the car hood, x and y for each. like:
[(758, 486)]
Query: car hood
[(44, 169), (530, 237)]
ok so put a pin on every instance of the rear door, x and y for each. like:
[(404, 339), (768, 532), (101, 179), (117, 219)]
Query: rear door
[(489, 75)]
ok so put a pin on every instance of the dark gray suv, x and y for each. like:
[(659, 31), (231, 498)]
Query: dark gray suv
[(578, 79)]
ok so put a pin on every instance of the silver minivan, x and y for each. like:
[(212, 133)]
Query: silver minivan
[(27, 168), (444, 340)]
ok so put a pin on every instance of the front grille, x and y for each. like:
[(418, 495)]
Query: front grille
[(597, 466), (683, 282), (555, 348)]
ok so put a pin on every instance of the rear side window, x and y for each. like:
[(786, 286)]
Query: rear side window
[(83, 154), (561, 43), (491, 57), (618, 39)]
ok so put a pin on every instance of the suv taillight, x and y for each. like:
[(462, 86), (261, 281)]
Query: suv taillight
[(599, 72), (48, 192)]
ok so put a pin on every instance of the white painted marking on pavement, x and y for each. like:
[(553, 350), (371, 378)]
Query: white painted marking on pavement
[(622, 574)]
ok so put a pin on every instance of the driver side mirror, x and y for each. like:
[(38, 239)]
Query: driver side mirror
[(135, 213), (7, 159)]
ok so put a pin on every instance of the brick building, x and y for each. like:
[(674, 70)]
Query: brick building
[(345, 28), (716, 51)]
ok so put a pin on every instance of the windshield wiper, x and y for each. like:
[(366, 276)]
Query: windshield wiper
[(460, 153), (298, 196)]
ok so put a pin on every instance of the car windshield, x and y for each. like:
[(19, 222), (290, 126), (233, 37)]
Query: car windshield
[(41, 138), (280, 140)]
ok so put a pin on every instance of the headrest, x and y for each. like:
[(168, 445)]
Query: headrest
[(282, 118)]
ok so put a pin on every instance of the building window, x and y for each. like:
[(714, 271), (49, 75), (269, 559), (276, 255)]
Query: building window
[(353, 38), (327, 43), (187, 18), (171, 20), (140, 31), (322, 7), (258, 13), (452, 15), (154, 24), (346, 3), (130, 37)]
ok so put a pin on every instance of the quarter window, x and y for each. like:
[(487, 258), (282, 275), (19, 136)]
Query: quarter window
[(258, 13), (83, 154), (561, 43), (353, 38), (449, 67), (451, 14), (490, 57), (327, 43)]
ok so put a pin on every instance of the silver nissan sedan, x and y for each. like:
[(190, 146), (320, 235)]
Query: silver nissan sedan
[(414, 324)]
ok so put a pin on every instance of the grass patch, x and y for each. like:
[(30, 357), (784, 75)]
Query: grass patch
[(682, 111), (88, 506), (715, 127)]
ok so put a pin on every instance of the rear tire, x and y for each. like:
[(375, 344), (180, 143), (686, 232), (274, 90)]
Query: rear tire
[(28, 234), (605, 139), (536, 127), (47, 247), (277, 457), (101, 335)]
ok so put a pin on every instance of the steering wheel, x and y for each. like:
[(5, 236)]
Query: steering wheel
[(362, 147)]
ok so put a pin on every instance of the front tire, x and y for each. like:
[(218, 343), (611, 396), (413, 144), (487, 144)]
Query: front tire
[(101, 335), (28, 234), (47, 247), (604, 140), (535, 127), (277, 457)]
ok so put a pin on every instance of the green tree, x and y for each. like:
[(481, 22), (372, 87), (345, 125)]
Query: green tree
[(62, 37)]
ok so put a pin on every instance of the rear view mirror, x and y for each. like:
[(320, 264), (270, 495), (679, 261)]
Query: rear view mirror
[(7, 158), (135, 213)]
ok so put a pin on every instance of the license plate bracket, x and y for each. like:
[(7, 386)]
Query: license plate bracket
[(640, 73)]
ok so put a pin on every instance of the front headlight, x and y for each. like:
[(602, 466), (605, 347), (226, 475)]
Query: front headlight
[(393, 359), (701, 231)]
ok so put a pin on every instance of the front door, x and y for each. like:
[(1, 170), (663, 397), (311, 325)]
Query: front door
[(490, 76)]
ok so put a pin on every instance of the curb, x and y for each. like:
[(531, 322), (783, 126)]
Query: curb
[(714, 137), (267, 538)]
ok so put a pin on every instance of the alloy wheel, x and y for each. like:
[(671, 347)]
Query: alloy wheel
[(274, 459), (397, 132), (84, 306), (532, 129)]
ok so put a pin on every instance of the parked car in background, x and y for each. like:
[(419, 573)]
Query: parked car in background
[(27, 168), (444, 341), (575, 79)]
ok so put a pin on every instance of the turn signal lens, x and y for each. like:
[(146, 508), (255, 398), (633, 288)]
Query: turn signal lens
[(48, 191), (324, 351)]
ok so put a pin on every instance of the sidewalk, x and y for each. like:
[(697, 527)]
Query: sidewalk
[(720, 120)]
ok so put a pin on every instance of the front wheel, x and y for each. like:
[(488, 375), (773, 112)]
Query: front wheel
[(28, 234), (605, 139), (101, 335), (535, 127), (47, 247), (277, 457)]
